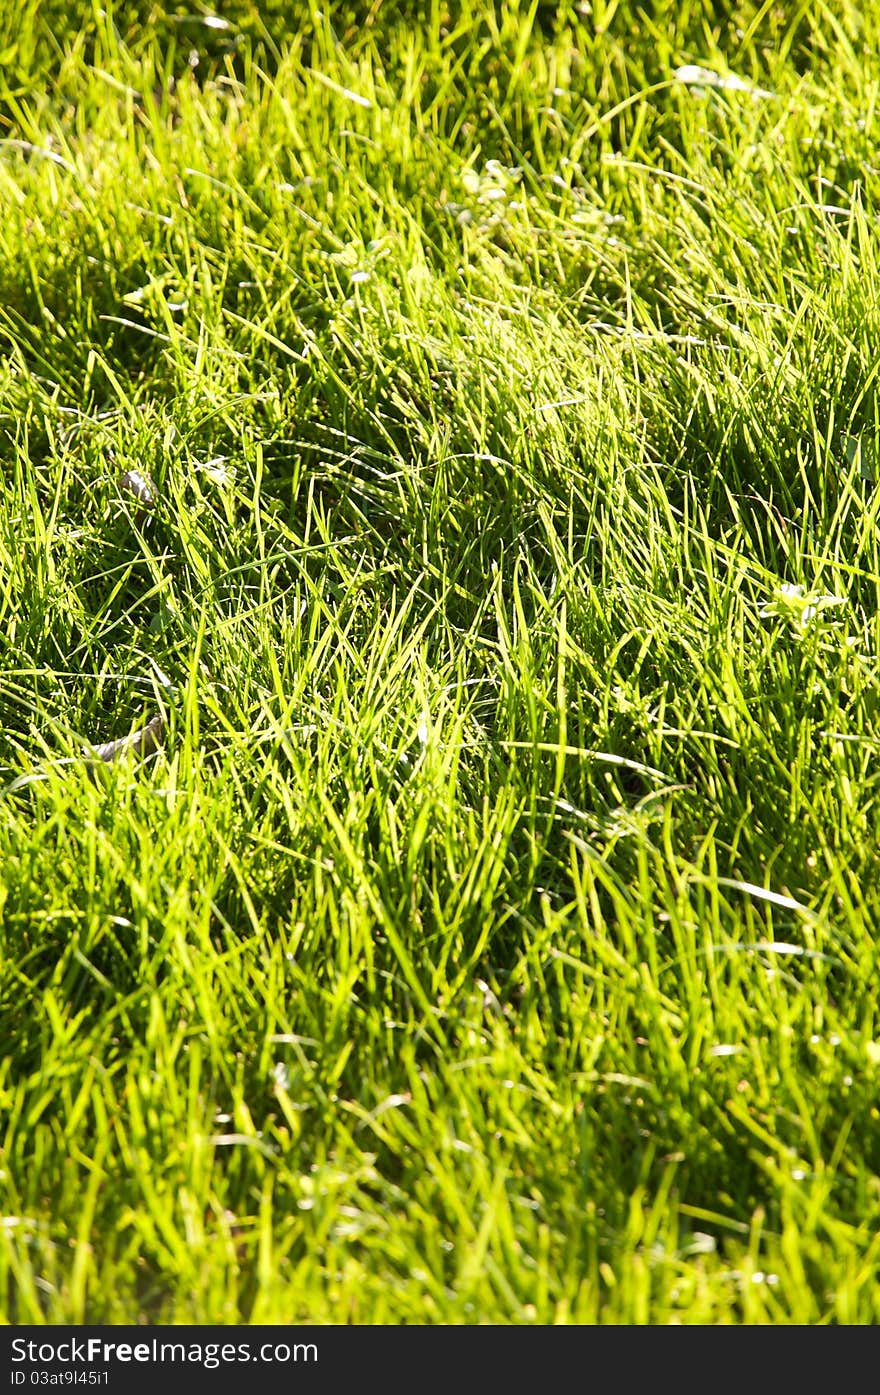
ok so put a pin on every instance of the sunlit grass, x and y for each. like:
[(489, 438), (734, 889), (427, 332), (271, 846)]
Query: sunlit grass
[(461, 432)]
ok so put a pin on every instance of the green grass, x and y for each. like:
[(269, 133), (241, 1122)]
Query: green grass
[(492, 938)]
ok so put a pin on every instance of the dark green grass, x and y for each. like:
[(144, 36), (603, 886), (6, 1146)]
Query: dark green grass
[(492, 937)]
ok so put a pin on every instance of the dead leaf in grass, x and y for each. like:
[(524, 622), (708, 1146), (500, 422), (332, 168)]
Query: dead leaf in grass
[(141, 742), (140, 486)]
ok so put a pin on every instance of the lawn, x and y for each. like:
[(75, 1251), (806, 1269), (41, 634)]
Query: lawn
[(453, 429)]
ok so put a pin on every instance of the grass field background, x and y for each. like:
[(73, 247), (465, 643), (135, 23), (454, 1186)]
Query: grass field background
[(492, 936)]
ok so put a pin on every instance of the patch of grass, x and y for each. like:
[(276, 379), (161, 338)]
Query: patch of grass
[(462, 432)]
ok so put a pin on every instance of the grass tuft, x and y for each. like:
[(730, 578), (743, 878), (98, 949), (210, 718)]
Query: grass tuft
[(452, 439)]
